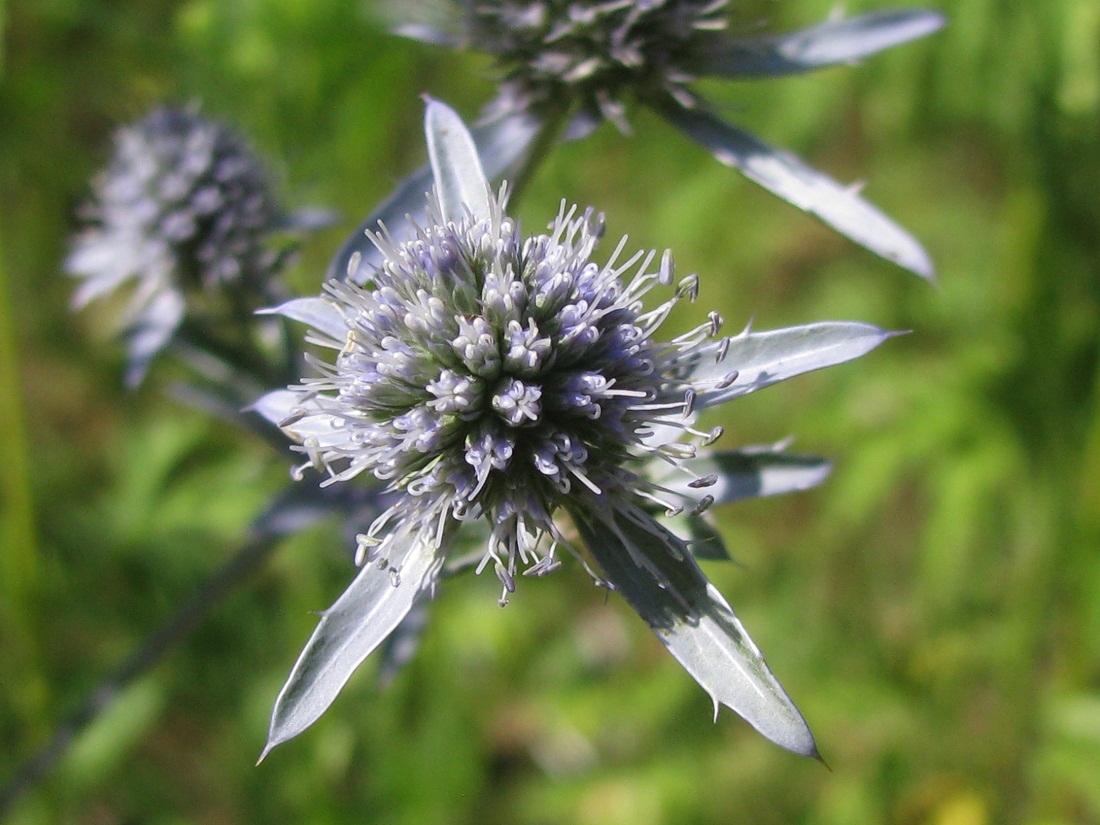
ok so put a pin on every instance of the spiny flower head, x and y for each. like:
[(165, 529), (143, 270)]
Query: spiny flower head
[(599, 51), (186, 200), (491, 378), (184, 205)]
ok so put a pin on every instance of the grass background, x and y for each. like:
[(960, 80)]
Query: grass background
[(934, 608)]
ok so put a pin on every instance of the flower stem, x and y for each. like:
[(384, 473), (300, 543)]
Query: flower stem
[(554, 117)]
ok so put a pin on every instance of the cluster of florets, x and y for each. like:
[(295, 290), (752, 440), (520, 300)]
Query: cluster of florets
[(490, 376), (183, 203), (596, 51)]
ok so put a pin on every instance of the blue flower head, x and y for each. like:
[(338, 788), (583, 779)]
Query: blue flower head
[(508, 381), (184, 207)]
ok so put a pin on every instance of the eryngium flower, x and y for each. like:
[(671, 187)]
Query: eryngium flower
[(182, 206), (587, 61), (509, 381), (597, 54)]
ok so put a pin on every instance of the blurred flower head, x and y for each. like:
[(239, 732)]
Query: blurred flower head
[(586, 62), (509, 380), (595, 53), (183, 206)]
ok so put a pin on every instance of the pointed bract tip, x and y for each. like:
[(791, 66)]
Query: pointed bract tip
[(922, 267), (803, 744), (263, 754), (936, 20), (931, 279)]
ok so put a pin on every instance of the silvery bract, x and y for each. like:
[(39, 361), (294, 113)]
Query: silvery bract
[(562, 61), (509, 381), (183, 206)]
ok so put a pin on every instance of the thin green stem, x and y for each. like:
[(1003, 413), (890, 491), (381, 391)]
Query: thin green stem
[(554, 118)]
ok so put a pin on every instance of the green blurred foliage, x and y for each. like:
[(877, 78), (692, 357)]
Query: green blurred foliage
[(934, 609)]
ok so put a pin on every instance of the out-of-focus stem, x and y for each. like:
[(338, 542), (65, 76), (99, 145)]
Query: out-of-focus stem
[(233, 572)]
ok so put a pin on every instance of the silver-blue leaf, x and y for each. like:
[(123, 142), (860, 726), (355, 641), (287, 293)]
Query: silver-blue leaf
[(656, 574), (320, 313), (401, 645), (743, 474), (460, 182), (827, 44), (503, 141), (360, 620), (760, 359), (276, 406), (785, 175)]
